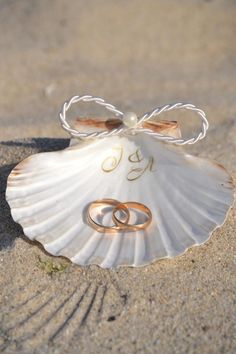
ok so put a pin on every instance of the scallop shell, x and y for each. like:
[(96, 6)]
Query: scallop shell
[(49, 192)]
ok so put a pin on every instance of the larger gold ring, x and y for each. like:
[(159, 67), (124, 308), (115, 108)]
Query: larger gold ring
[(102, 228), (133, 205)]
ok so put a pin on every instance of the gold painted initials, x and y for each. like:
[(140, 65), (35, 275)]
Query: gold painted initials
[(136, 157), (137, 172), (112, 162)]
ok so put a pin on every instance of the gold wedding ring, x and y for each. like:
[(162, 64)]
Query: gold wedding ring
[(119, 225), (133, 205)]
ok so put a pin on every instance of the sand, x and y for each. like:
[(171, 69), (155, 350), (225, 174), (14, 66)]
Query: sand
[(137, 55)]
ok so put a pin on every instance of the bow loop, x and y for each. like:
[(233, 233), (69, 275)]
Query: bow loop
[(131, 124)]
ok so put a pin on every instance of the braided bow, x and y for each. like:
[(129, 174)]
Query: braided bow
[(131, 123)]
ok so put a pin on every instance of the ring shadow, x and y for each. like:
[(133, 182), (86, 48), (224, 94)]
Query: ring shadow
[(9, 230)]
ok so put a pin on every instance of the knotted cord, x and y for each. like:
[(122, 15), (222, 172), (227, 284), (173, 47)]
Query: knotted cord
[(122, 130)]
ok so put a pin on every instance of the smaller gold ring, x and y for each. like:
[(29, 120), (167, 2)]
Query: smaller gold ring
[(101, 228), (133, 205)]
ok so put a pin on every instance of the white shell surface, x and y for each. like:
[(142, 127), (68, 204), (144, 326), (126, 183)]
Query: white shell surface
[(49, 194)]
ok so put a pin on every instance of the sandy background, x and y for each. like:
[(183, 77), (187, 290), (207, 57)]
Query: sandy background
[(137, 55)]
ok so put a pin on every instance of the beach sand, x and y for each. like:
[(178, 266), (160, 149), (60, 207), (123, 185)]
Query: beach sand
[(137, 55)]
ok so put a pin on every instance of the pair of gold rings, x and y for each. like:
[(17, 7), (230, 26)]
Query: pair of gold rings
[(119, 225)]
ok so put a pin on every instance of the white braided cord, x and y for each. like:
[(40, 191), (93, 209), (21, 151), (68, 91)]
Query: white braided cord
[(125, 130)]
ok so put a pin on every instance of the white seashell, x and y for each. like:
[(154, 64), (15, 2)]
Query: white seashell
[(49, 192)]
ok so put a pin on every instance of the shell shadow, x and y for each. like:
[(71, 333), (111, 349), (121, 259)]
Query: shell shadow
[(39, 144), (9, 230)]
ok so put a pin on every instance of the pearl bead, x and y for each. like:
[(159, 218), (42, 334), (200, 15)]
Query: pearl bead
[(130, 119)]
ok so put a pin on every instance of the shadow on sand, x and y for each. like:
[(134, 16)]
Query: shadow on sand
[(9, 230)]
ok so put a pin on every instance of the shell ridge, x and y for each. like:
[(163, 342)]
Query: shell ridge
[(167, 243), (185, 218), (46, 202), (68, 236), (56, 216), (83, 255), (200, 187), (112, 253), (118, 253), (40, 184), (181, 219), (149, 255), (185, 196), (17, 200), (139, 251), (200, 194)]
